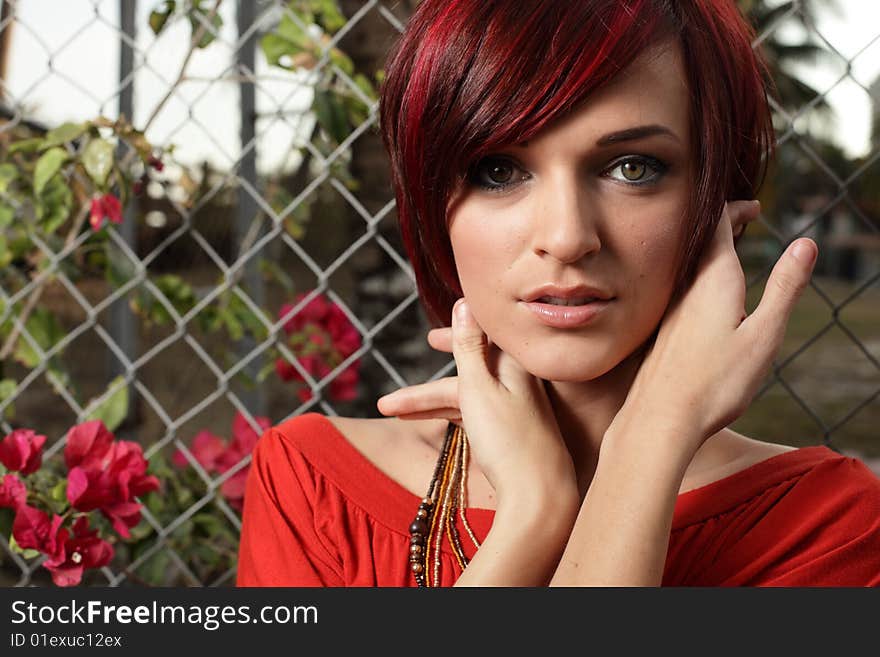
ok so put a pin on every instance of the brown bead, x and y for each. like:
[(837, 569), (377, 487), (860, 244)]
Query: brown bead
[(418, 527), (417, 540), (415, 549), (427, 501), (416, 567), (422, 514)]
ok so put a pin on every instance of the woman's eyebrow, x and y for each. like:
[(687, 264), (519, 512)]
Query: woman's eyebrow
[(639, 132), (629, 134)]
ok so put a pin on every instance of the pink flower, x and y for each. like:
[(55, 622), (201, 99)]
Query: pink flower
[(329, 338), (22, 451), (344, 386), (106, 206), (285, 370), (32, 529), (220, 457), (106, 474), (123, 516), (87, 445), (206, 448), (81, 551), (13, 494)]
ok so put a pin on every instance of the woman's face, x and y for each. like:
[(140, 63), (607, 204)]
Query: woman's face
[(597, 200)]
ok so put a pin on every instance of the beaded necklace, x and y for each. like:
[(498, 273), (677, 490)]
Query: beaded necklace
[(436, 513)]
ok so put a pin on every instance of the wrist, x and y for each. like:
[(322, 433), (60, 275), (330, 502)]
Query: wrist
[(548, 503), (666, 439)]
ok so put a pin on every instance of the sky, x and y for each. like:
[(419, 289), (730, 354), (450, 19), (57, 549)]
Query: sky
[(64, 67)]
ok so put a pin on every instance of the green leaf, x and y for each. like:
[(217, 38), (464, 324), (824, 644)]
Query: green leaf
[(328, 15), (59, 491), (264, 373), (26, 145), (236, 330), (113, 409), (7, 215), (47, 166), (28, 553), (197, 24), (275, 47), (331, 115), (159, 16), (120, 269), (54, 204), (64, 133), (208, 523), (46, 332), (98, 160), (290, 31), (5, 253), (8, 173)]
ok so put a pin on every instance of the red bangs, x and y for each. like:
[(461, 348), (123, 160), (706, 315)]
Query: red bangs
[(470, 76)]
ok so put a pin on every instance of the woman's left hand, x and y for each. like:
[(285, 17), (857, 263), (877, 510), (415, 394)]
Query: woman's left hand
[(709, 357)]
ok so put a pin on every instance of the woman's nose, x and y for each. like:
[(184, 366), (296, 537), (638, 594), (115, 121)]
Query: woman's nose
[(566, 223)]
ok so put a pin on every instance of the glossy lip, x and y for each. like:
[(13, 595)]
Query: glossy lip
[(566, 316)]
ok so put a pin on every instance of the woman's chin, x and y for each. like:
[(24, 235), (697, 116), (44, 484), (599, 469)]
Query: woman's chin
[(570, 371)]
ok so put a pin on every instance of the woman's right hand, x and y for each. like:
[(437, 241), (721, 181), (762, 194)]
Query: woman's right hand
[(512, 431)]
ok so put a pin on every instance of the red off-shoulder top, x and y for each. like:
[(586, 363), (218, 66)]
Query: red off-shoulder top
[(318, 513)]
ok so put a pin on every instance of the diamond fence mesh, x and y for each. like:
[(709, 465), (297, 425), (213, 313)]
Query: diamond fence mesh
[(256, 272)]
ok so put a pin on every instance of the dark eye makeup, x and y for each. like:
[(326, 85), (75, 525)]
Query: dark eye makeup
[(498, 173)]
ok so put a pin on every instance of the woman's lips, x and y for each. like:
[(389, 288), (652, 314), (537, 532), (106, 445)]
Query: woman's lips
[(566, 316)]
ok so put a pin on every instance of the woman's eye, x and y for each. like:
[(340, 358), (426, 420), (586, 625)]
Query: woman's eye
[(493, 174), (638, 170)]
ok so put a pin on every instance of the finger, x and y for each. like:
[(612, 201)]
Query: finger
[(787, 281), (451, 414), (469, 346), (441, 339), (441, 393), (743, 213)]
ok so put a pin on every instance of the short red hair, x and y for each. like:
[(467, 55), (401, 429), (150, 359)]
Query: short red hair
[(470, 76)]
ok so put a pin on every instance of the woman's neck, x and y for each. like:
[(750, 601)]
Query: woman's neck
[(584, 411)]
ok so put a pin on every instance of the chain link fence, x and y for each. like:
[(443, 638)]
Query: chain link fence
[(275, 204)]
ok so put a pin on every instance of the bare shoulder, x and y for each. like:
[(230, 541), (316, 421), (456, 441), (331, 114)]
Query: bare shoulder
[(405, 451), (727, 453)]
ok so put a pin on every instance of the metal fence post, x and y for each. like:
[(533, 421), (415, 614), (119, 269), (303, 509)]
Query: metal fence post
[(246, 210), (123, 327)]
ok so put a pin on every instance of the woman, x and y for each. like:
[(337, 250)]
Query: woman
[(596, 154)]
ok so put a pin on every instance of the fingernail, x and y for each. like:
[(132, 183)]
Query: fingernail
[(462, 314), (804, 251)]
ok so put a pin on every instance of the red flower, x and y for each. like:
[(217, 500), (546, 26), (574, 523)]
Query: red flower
[(33, 529), (22, 451), (244, 438), (215, 456), (123, 516), (344, 386), (106, 206), (81, 551), (329, 338), (87, 445), (206, 448), (106, 474), (13, 494)]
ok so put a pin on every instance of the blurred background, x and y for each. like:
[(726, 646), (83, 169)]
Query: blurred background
[(198, 240)]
